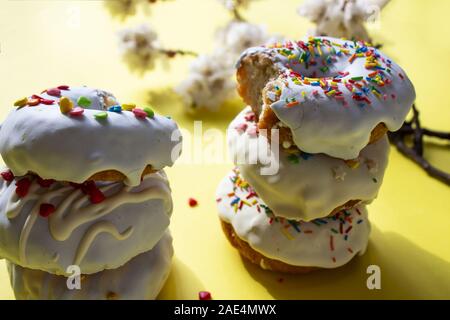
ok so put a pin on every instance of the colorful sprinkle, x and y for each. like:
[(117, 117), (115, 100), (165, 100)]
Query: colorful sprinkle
[(139, 113), (116, 109), (192, 202), (65, 104), (76, 112), (241, 127), (47, 101), (128, 107), (33, 102), (22, 187), (204, 295), (96, 196), (46, 209), (7, 175), (101, 115), (55, 92), (21, 102), (292, 104), (84, 102), (150, 113)]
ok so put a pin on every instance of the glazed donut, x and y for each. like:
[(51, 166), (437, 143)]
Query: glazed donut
[(306, 186), (284, 245), (140, 278), (48, 225), (326, 95), (78, 134)]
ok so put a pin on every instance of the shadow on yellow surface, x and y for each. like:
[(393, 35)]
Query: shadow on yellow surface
[(182, 283), (406, 270)]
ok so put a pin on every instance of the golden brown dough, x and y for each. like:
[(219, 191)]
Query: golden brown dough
[(257, 258), (114, 175)]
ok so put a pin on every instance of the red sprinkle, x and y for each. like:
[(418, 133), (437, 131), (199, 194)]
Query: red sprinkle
[(204, 295), (33, 102), (47, 101), (292, 104), (241, 127), (23, 185), (77, 111), (46, 209), (45, 183), (250, 116), (55, 92), (63, 87), (139, 113), (8, 175), (192, 202), (88, 187), (96, 196), (94, 193)]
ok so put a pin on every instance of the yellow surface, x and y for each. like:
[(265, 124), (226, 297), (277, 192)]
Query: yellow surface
[(46, 43)]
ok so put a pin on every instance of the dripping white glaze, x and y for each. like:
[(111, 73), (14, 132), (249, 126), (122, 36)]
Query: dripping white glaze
[(140, 278), (58, 146), (77, 224), (319, 243), (307, 187)]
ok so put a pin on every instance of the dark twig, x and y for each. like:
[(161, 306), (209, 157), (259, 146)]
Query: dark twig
[(418, 135), (237, 15), (413, 128), (173, 53)]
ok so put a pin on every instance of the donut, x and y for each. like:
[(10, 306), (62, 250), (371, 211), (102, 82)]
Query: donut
[(49, 225), (139, 279), (77, 134), (325, 95), (284, 245), (306, 186)]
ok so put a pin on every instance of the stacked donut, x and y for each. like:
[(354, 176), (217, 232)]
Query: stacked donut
[(84, 192), (321, 108)]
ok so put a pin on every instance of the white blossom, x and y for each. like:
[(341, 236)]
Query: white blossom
[(237, 36), (209, 83), (234, 4), (341, 18), (211, 78), (139, 47)]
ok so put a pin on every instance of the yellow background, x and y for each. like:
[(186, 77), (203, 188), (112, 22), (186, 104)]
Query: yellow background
[(47, 43)]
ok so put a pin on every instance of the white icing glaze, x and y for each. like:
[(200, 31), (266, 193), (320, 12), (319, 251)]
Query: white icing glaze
[(140, 278), (325, 243), (307, 187), (58, 146), (321, 123), (94, 236)]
